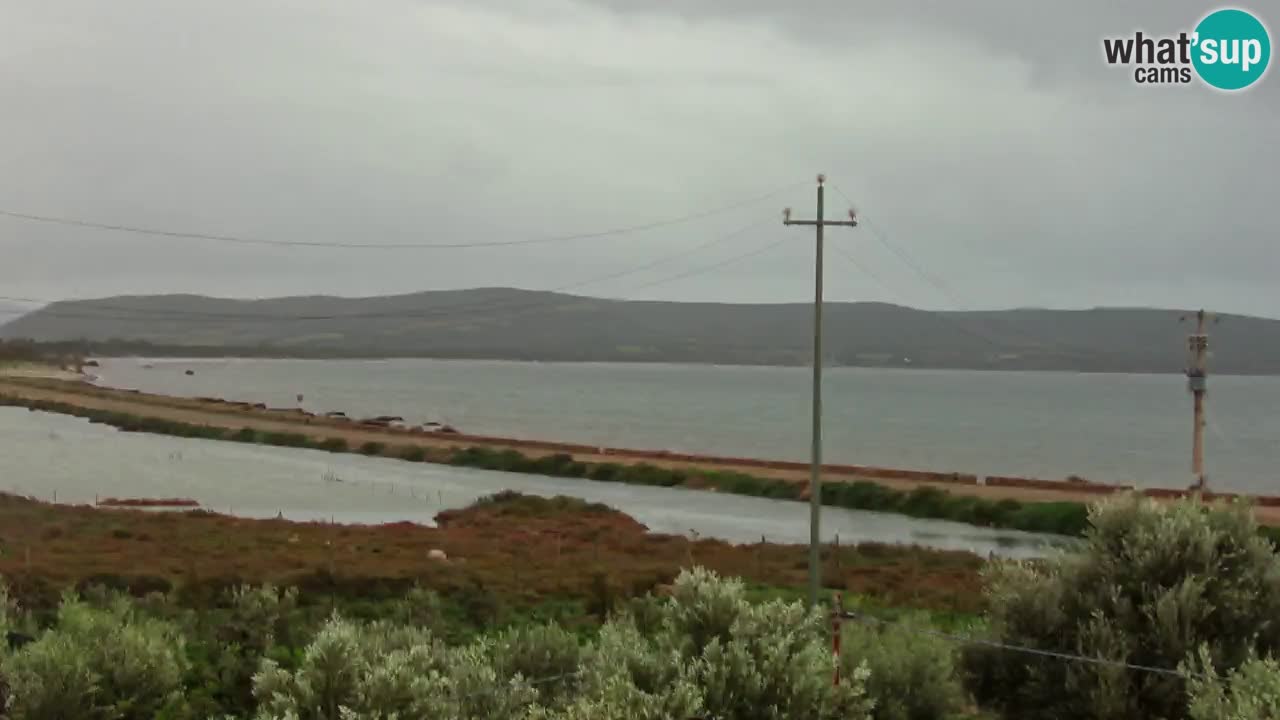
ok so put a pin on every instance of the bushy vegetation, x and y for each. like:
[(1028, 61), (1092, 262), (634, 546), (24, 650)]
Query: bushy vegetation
[(333, 444), (109, 664), (913, 675), (1250, 692), (704, 652), (1152, 585), (1184, 595)]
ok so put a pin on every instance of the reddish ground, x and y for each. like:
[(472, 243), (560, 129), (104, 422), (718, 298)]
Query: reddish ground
[(525, 549)]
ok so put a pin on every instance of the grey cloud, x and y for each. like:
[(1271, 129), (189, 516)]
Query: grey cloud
[(988, 139)]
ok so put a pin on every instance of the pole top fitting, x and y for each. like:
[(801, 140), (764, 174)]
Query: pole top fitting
[(822, 177)]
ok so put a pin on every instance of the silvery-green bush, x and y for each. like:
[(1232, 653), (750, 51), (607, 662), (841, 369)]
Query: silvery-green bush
[(7, 609), (768, 660), (913, 675), (546, 655), (709, 653), (259, 615), (1151, 585), (95, 664), (1250, 692), (634, 676), (382, 671)]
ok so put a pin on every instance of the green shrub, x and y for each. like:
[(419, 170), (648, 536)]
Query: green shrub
[(646, 474), (1150, 585), (605, 472), (372, 448), (381, 671), (545, 653), (766, 660), (245, 435), (1250, 692), (1062, 518), (93, 663), (333, 444), (285, 439), (926, 501), (413, 453), (912, 675)]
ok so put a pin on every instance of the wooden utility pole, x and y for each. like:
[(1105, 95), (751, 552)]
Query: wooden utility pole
[(1197, 374), (815, 462)]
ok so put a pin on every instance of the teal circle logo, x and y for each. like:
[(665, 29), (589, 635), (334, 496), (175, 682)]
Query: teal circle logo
[(1231, 49)]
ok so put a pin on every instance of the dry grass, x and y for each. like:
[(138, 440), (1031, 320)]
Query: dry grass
[(523, 550)]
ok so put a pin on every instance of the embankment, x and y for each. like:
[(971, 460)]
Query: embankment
[(1001, 502)]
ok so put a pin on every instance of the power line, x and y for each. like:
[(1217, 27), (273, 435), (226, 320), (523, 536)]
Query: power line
[(966, 640), (942, 288), (120, 312), (883, 239), (866, 271), (243, 240), (708, 268)]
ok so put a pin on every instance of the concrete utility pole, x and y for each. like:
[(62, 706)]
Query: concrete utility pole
[(815, 463), (1197, 374)]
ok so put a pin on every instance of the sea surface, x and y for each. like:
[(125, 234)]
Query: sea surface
[(1133, 429), (68, 460)]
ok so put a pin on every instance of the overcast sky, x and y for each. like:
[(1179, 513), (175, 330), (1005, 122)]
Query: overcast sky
[(987, 142)]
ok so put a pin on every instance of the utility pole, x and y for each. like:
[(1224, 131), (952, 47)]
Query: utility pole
[(1197, 374), (815, 462)]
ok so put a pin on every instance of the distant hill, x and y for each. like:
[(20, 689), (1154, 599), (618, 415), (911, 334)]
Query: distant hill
[(527, 325)]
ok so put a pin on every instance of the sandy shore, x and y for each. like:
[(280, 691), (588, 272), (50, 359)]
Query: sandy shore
[(35, 370), (217, 413)]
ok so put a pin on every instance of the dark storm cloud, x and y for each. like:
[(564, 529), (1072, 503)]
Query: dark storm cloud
[(987, 140)]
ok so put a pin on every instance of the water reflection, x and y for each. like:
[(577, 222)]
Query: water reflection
[(44, 454)]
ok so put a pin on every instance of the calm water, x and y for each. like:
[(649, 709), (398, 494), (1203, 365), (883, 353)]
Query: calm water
[(1117, 428), (46, 454)]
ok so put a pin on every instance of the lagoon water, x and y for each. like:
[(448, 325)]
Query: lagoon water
[(50, 456), (1116, 428)]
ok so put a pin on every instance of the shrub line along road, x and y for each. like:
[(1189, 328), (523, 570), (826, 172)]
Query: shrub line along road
[(236, 416)]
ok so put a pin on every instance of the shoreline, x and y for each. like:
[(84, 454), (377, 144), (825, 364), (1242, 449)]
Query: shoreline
[(432, 446), (154, 354)]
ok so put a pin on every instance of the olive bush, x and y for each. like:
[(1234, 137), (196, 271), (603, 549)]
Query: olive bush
[(913, 676), (97, 663), (385, 671), (768, 660), (1151, 585), (546, 655), (1250, 692), (709, 653)]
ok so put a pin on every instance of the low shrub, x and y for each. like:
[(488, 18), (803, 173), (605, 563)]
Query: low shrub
[(333, 444), (372, 448), (285, 439), (245, 435), (912, 675), (413, 453), (1151, 584)]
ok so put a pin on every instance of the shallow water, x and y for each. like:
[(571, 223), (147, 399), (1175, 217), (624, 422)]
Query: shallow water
[(44, 455), (1133, 429)]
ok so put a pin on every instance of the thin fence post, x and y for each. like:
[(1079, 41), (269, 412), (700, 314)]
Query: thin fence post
[(837, 613)]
